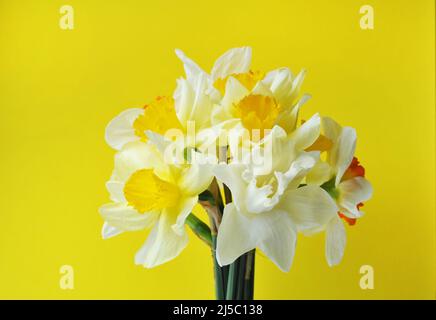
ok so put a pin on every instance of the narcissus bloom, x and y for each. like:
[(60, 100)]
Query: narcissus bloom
[(343, 177), (131, 124), (241, 98), (257, 100), (147, 192), (269, 208)]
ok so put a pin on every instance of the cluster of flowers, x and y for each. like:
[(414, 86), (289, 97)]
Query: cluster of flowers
[(312, 183)]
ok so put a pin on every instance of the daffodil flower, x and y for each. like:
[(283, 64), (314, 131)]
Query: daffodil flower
[(147, 192), (192, 101), (131, 124), (343, 177), (269, 208), (257, 100)]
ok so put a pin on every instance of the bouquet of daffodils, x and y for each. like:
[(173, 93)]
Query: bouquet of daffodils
[(232, 142)]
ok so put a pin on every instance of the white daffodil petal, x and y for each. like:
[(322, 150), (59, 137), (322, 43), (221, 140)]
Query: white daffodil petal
[(183, 100), (231, 176), (280, 243), (182, 211), (162, 244), (296, 172), (319, 174), (233, 61), (305, 135), (257, 200), (126, 218), (192, 70), (261, 89), (336, 239), (116, 191), (235, 91), (236, 235), (288, 119), (345, 151), (310, 207), (120, 130), (351, 193), (296, 83), (272, 232), (197, 177), (107, 231), (202, 105), (280, 83), (136, 156), (331, 128)]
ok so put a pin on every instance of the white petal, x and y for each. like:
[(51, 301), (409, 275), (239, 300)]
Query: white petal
[(310, 207), (280, 243), (231, 176), (183, 100), (235, 91), (192, 101), (196, 178), (261, 89), (116, 191), (345, 151), (280, 83), (288, 119), (257, 200), (336, 239), (126, 218), (162, 244), (271, 232), (120, 130), (296, 84), (235, 60), (351, 193), (331, 128), (235, 236), (108, 231), (305, 135), (192, 70), (182, 211), (319, 174), (293, 176), (136, 156)]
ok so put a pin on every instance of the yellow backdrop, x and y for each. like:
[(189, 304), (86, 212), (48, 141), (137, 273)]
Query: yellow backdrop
[(59, 88)]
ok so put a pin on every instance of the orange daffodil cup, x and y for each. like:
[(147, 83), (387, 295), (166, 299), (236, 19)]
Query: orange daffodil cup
[(231, 141)]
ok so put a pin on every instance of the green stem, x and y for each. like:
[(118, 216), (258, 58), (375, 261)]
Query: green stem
[(200, 229), (232, 280), (241, 277), (249, 275), (218, 273)]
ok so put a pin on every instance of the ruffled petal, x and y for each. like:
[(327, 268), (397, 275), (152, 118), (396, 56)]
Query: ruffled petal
[(351, 193)]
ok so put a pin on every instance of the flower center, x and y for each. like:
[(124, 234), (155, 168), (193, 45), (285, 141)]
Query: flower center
[(159, 116), (257, 112), (146, 192)]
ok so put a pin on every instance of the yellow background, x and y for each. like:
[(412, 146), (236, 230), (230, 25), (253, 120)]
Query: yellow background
[(59, 89)]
